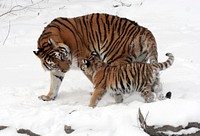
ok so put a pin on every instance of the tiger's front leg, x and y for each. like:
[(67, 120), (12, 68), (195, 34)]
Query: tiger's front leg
[(96, 96), (56, 80)]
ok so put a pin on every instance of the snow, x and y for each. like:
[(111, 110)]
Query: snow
[(174, 23)]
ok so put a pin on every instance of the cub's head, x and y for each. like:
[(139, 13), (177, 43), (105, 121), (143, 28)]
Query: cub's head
[(55, 56), (91, 64)]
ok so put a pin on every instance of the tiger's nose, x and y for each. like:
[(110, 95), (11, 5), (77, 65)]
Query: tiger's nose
[(64, 71)]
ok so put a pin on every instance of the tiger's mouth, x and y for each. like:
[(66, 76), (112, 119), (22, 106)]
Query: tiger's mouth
[(63, 71), (62, 66)]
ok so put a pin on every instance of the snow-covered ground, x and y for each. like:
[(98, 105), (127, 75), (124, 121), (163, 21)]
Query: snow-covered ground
[(176, 26)]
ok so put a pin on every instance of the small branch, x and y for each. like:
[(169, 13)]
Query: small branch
[(7, 34), (26, 131), (72, 111), (3, 127), (141, 119), (13, 9), (68, 129), (121, 4), (161, 131)]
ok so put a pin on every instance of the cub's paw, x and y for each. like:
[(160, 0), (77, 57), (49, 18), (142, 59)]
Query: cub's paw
[(46, 98)]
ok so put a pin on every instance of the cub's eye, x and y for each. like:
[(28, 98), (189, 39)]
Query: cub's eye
[(83, 67)]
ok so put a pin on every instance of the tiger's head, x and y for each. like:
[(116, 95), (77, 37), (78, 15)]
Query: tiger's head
[(91, 64), (55, 56)]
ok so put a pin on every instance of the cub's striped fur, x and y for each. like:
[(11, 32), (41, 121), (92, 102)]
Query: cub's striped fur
[(110, 36), (124, 78)]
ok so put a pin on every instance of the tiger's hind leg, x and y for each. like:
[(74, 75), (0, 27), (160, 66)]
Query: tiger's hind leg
[(56, 80), (96, 96), (148, 95), (157, 87)]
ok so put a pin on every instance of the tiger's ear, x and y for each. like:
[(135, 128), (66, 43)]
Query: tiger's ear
[(52, 42), (35, 52)]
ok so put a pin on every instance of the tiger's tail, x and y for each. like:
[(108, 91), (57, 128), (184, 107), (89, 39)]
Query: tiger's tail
[(166, 64)]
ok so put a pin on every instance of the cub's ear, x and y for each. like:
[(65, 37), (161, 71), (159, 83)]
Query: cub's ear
[(93, 53), (35, 52), (52, 42)]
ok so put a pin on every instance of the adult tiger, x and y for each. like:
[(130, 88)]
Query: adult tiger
[(110, 36), (124, 78)]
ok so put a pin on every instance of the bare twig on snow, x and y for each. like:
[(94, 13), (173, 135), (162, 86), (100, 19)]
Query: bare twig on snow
[(161, 131), (26, 131), (7, 34), (3, 127), (68, 129), (19, 8)]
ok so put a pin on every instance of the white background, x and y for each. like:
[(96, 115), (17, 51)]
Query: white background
[(174, 23)]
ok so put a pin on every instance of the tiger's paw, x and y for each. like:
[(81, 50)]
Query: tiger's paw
[(118, 98), (92, 105), (46, 98)]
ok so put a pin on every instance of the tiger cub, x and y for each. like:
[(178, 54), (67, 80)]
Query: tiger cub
[(123, 78)]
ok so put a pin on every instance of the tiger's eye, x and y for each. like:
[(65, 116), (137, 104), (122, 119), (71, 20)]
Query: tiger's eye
[(53, 65)]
